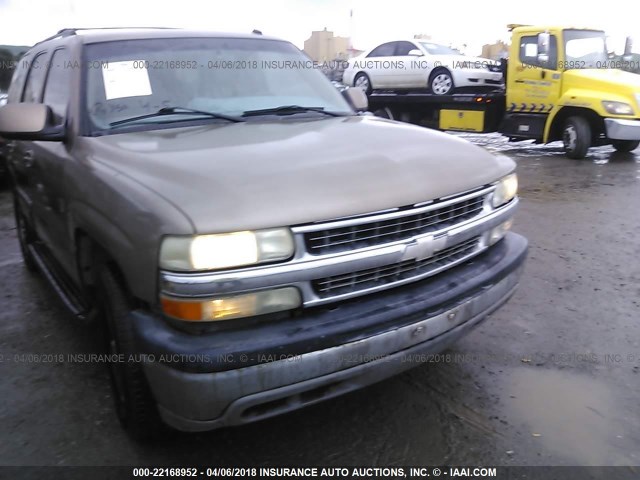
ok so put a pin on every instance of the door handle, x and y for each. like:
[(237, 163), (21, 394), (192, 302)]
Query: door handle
[(543, 74)]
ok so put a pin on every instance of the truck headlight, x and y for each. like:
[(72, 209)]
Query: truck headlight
[(617, 108), (230, 307), (506, 190), (225, 250)]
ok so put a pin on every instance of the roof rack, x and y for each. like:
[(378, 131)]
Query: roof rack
[(66, 32)]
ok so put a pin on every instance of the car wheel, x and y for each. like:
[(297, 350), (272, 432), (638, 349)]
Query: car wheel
[(26, 236), (576, 137), (362, 81), (135, 405), (625, 145), (441, 82)]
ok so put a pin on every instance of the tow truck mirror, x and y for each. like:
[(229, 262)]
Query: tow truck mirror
[(415, 53), (544, 40), (628, 46), (356, 98)]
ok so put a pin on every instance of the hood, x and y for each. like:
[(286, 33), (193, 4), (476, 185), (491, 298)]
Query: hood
[(616, 81), (260, 174)]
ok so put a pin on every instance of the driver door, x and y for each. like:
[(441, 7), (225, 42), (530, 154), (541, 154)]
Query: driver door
[(534, 87)]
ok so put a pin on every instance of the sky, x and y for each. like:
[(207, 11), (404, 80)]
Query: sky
[(459, 22)]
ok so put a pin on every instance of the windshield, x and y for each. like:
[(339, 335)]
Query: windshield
[(585, 49), (226, 76), (435, 49)]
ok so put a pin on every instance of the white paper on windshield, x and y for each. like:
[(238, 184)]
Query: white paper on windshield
[(121, 79)]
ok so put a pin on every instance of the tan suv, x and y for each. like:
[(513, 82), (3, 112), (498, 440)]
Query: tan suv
[(247, 240)]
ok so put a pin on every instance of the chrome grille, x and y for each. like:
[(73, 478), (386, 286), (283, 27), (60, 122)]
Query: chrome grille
[(372, 233), (389, 274)]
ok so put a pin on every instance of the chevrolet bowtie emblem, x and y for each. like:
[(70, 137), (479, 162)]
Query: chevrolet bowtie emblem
[(419, 248)]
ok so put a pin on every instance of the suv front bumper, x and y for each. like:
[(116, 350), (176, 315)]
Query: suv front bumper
[(232, 377)]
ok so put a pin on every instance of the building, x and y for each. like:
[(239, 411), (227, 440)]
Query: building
[(495, 51), (323, 46)]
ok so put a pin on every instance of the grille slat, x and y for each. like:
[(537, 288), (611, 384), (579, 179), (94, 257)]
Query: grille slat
[(341, 239), (380, 276), (414, 230), (416, 222)]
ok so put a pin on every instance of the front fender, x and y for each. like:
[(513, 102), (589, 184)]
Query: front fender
[(588, 100)]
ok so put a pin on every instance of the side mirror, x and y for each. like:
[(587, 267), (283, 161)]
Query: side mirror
[(544, 40), (415, 53), (356, 98), (29, 121), (628, 46)]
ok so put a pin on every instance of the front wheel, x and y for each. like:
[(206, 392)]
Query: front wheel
[(625, 145), (576, 137), (362, 80), (135, 405), (441, 82)]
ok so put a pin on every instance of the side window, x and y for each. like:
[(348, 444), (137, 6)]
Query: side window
[(384, 50), (57, 88), (529, 52), (17, 81), (403, 48), (35, 79)]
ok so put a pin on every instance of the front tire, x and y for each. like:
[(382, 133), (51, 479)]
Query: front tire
[(441, 82), (135, 405), (576, 137), (362, 80), (625, 145)]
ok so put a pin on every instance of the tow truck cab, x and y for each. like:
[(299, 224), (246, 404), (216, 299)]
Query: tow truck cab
[(562, 85)]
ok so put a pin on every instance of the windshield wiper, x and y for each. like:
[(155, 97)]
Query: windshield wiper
[(289, 110), (178, 111)]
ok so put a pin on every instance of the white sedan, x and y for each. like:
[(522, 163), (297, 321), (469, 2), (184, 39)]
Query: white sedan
[(418, 63)]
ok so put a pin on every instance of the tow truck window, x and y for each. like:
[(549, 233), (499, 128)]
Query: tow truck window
[(529, 52), (585, 49)]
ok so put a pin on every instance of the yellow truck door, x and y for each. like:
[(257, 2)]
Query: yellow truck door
[(533, 86)]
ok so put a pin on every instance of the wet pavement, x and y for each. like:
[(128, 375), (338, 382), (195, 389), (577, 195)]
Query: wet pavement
[(552, 378)]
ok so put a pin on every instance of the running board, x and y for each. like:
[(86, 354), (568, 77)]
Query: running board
[(60, 282)]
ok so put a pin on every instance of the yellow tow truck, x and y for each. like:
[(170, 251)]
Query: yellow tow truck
[(560, 84)]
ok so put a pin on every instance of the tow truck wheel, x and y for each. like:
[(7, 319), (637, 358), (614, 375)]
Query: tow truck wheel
[(625, 145), (134, 401), (441, 82), (362, 81), (576, 137)]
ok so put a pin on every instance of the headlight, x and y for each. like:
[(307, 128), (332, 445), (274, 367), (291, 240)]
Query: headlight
[(617, 108), (225, 250), (638, 99), (505, 190), (232, 306)]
